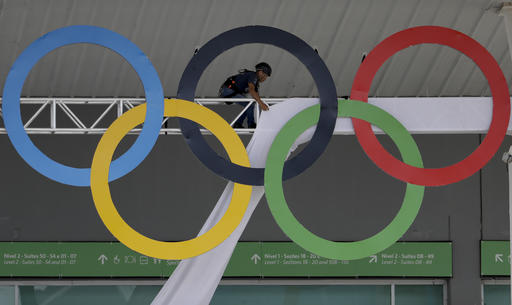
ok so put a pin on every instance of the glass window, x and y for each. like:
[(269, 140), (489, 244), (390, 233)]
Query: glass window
[(302, 295), (7, 295), (497, 294), (418, 295), (87, 295), (242, 295)]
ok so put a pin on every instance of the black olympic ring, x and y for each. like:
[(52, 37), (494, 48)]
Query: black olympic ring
[(305, 54)]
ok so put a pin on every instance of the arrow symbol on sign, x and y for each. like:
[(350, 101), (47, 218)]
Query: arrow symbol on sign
[(255, 258), (498, 258), (373, 259), (103, 258)]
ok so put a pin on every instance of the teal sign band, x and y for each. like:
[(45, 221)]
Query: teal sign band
[(249, 259), (305, 238), (495, 258)]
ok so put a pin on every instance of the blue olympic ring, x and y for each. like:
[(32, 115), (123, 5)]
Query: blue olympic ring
[(72, 35)]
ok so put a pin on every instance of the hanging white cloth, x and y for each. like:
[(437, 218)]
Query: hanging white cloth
[(195, 280)]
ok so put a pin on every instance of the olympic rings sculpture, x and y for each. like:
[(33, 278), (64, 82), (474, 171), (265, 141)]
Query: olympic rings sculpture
[(237, 169)]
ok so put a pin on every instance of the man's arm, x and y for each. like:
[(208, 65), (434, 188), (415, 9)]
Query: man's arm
[(256, 96)]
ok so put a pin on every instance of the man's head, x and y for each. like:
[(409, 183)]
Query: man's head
[(263, 70)]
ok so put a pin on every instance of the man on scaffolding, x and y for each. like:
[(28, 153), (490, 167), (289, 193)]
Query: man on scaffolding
[(246, 81)]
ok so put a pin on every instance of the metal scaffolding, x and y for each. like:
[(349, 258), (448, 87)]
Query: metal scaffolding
[(74, 115)]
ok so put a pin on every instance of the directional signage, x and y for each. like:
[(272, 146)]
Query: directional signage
[(401, 259), (495, 258), (77, 260), (250, 259)]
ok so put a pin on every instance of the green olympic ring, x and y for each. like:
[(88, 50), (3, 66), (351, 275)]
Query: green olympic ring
[(305, 238)]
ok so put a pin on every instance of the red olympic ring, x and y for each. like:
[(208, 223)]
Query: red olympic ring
[(500, 110)]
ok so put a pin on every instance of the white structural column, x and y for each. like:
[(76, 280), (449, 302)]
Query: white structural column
[(507, 158), (506, 12), (509, 165)]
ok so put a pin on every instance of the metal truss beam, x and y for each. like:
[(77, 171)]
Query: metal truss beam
[(72, 112)]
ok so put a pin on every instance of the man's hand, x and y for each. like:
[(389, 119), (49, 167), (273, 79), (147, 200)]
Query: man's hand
[(263, 106), (256, 96)]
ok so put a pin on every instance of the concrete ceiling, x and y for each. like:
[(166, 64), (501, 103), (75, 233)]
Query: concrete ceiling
[(169, 32)]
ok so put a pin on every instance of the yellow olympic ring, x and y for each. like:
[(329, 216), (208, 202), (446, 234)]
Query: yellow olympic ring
[(133, 239)]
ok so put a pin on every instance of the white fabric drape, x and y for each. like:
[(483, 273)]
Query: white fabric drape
[(194, 281)]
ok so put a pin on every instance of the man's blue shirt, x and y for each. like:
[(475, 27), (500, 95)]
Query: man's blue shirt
[(243, 79)]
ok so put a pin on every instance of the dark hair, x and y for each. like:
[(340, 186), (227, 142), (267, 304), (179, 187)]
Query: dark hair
[(263, 66)]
